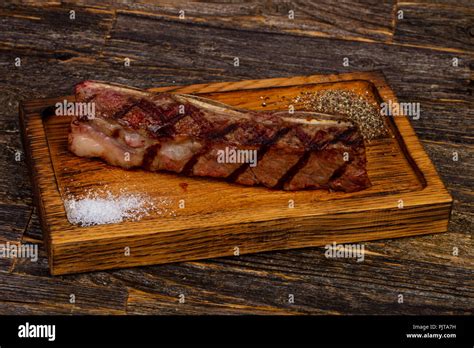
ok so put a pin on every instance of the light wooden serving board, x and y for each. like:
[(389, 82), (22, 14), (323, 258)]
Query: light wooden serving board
[(219, 217)]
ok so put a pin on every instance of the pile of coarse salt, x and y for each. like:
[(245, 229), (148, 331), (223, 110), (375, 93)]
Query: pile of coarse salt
[(98, 208)]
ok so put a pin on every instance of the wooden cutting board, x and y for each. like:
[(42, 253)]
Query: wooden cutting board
[(222, 219)]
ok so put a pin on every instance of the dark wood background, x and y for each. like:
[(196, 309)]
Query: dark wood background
[(416, 55)]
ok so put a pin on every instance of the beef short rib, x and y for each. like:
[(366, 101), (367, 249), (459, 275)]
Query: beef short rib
[(198, 137)]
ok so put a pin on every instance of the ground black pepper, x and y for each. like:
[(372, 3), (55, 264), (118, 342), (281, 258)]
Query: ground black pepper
[(355, 107)]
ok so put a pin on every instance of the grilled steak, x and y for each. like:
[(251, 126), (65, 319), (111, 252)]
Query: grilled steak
[(198, 137)]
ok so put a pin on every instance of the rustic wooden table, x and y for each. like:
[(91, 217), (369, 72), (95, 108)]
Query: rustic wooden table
[(424, 48)]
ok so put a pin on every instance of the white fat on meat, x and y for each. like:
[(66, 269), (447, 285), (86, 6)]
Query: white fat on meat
[(86, 141), (179, 151), (134, 140)]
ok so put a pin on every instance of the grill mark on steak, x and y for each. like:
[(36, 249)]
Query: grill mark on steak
[(293, 170), (340, 171), (203, 124), (90, 98), (303, 136), (317, 143), (115, 133), (260, 153), (125, 109), (345, 137), (153, 110), (149, 155), (165, 127)]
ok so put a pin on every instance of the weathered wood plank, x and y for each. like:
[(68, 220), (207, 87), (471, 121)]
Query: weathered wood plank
[(431, 249), (22, 308), (438, 25), (364, 21), (462, 217), (33, 231), (52, 28), (416, 74), (13, 221), (209, 287), (380, 276), (140, 303), (265, 281), (37, 267), (450, 121), (14, 180), (457, 175), (444, 25)]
